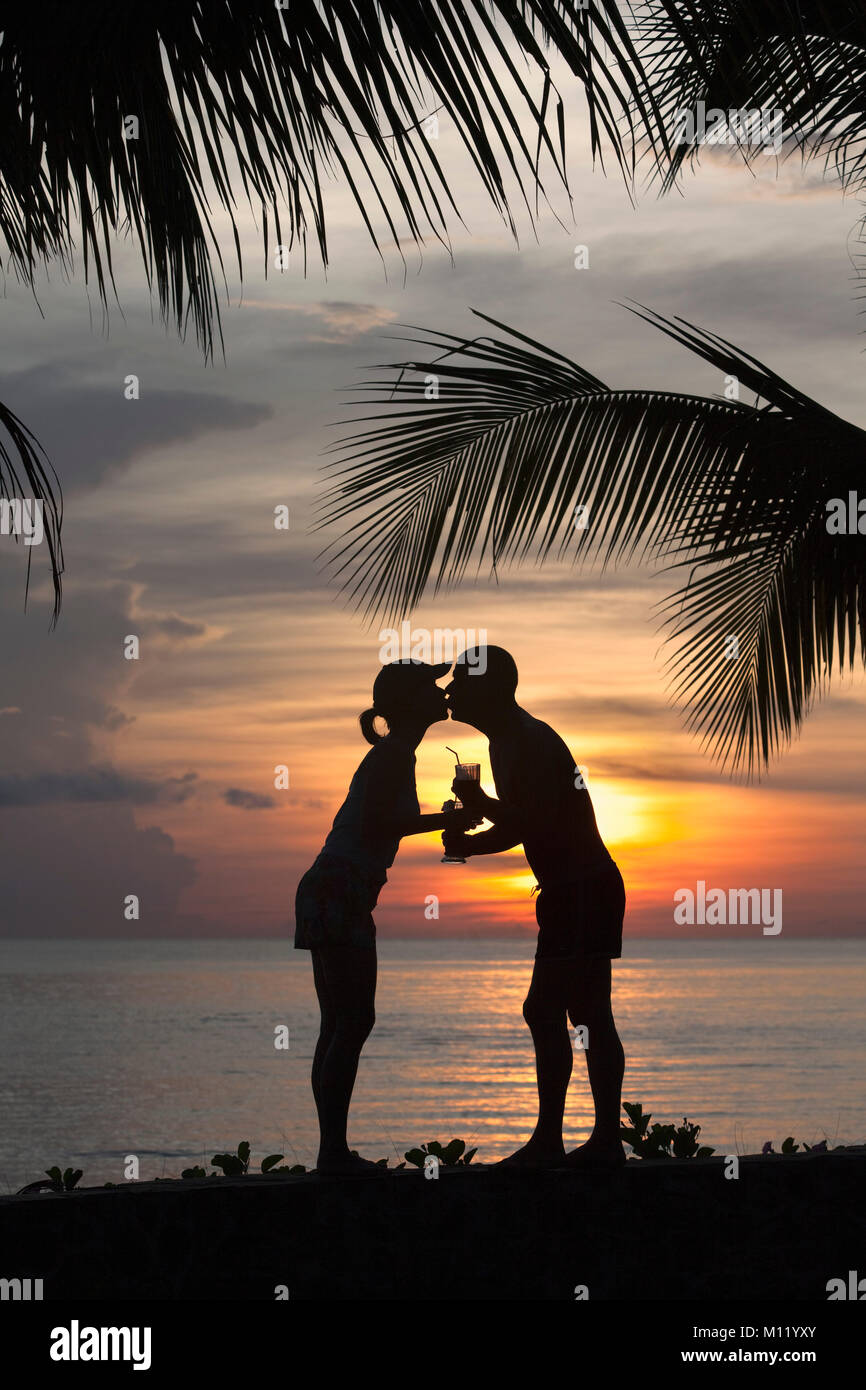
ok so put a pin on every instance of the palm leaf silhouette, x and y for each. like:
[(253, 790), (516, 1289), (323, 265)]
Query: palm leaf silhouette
[(803, 58), (25, 472), (268, 104), (515, 437)]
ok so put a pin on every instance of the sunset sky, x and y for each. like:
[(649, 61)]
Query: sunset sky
[(156, 777)]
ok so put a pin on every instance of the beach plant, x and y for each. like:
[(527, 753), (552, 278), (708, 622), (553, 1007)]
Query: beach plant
[(661, 1141), (236, 1164), (58, 1181), (789, 1147), (451, 1155), (67, 1179)]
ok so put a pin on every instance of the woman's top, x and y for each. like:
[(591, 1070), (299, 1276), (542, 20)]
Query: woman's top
[(383, 787)]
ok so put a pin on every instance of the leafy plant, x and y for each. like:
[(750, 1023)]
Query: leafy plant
[(234, 1165), (57, 1181), (661, 1141), (789, 1147), (452, 1155)]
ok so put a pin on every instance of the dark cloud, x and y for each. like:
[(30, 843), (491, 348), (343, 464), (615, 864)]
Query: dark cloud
[(68, 875), (93, 784), (91, 432), (247, 801), (71, 848), (177, 629)]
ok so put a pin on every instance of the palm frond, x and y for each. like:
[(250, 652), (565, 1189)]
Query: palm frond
[(805, 59), (514, 437), (26, 474), (271, 104)]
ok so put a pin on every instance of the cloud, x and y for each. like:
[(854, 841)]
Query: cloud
[(247, 801), (343, 320), (71, 847), (63, 875), (93, 784), (177, 630), (90, 432)]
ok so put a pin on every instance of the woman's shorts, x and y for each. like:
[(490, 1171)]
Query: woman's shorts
[(334, 904), (583, 918)]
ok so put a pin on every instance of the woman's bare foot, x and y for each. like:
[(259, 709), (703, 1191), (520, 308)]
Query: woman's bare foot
[(348, 1165), (534, 1154), (595, 1153)]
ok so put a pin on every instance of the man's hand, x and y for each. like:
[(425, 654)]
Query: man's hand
[(470, 794), (457, 842)]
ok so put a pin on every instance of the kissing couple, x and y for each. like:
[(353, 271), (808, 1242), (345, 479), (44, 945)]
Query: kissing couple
[(543, 805)]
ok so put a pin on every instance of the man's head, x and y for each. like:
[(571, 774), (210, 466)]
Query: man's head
[(482, 686)]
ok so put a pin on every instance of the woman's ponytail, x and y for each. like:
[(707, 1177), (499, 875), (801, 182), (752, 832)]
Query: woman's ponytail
[(367, 720)]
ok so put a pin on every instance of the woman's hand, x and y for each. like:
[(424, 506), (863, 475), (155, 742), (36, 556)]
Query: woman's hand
[(464, 819)]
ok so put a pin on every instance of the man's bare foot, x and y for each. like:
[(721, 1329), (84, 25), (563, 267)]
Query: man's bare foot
[(348, 1165), (534, 1155), (595, 1154)]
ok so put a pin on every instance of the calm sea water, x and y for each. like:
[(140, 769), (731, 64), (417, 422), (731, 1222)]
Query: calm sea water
[(166, 1049)]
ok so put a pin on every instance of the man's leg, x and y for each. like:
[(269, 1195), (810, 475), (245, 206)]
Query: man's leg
[(545, 1012), (589, 1004)]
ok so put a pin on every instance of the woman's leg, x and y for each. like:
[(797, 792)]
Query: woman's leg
[(326, 1026), (346, 977)]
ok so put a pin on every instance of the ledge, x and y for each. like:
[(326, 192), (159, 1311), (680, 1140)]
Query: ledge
[(664, 1230)]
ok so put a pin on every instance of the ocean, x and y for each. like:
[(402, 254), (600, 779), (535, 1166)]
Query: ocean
[(165, 1049)]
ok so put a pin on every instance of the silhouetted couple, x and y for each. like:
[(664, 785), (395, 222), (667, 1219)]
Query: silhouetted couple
[(542, 805)]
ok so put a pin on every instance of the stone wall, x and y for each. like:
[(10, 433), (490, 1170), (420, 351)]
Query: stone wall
[(669, 1230)]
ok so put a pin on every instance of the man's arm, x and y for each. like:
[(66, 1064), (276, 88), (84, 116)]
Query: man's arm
[(507, 831), (494, 841)]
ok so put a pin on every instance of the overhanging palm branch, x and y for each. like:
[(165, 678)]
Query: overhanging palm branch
[(131, 119), (515, 438), (805, 59), (270, 103), (27, 475)]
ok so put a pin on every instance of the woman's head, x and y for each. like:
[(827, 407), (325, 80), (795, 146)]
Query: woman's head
[(405, 695)]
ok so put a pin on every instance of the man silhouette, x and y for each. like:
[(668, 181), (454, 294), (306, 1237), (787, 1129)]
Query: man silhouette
[(544, 806)]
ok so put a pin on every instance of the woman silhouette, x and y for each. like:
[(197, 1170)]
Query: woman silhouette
[(335, 898)]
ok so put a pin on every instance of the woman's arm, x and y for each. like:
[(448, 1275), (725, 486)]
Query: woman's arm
[(455, 820), (458, 821)]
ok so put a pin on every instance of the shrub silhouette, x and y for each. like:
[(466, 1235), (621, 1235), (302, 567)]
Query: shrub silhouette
[(662, 1141), (453, 1155)]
